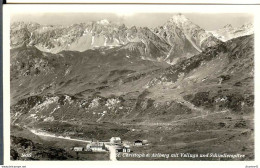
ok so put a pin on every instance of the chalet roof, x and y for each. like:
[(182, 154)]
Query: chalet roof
[(78, 147), (96, 144), (115, 138)]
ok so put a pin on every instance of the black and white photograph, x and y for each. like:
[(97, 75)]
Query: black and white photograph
[(132, 86)]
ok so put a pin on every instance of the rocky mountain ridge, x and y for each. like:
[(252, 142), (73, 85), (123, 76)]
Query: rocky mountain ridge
[(178, 38), (229, 32)]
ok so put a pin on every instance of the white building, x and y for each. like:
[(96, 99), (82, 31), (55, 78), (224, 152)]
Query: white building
[(138, 143), (96, 147), (78, 149), (115, 140)]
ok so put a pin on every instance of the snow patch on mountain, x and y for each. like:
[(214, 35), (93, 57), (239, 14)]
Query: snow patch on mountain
[(229, 32), (103, 22)]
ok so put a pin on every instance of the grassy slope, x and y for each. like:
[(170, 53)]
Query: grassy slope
[(178, 113)]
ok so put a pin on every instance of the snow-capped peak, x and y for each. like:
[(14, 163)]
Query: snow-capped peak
[(103, 22), (179, 18), (228, 26), (247, 25), (228, 32)]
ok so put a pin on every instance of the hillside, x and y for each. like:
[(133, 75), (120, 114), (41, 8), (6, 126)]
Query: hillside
[(176, 86)]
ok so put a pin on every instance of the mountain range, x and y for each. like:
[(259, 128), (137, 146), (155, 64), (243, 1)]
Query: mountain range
[(174, 83), (179, 37)]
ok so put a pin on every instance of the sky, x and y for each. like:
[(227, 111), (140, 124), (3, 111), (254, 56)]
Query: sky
[(208, 21)]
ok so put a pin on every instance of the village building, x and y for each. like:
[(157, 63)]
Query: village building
[(96, 147), (145, 142), (77, 149), (127, 143), (124, 149), (115, 140), (138, 143)]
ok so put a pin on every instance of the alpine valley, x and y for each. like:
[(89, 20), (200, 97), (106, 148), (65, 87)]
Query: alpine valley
[(178, 87)]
